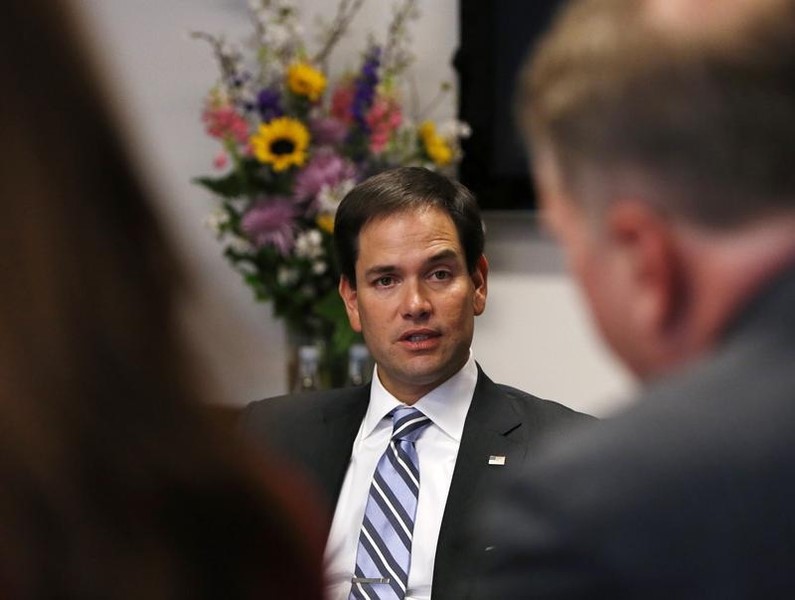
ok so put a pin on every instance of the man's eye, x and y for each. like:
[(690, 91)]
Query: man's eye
[(384, 281), (440, 275)]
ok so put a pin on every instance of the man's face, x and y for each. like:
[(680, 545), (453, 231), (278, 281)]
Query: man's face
[(415, 302)]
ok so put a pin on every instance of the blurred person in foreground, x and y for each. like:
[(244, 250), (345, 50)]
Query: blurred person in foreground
[(663, 137), (410, 248), (113, 481)]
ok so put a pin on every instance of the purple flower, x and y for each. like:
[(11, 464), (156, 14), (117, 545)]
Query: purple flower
[(328, 131), (364, 87), (326, 168), (271, 222), (269, 104)]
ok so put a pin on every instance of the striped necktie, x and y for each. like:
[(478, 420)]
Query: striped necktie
[(384, 552)]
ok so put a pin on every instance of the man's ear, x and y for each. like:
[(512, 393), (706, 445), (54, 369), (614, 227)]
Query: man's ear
[(480, 278), (349, 298), (650, 258)]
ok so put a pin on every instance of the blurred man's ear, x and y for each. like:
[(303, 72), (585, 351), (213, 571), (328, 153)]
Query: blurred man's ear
[(651, 266), (350, 297), (480, 278)]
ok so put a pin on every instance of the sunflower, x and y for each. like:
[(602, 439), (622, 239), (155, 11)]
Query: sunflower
[(281, 143), (325, 221), (426, 130), (436, 147), (440, 152), (305, 80)]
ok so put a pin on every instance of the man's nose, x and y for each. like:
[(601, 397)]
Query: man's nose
[(416, 303)]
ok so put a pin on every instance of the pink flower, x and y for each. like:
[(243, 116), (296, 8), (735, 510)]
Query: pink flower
[(342, 102), (326, 168), (224, 123), (328, 131), (271, 222), (221, 160), (383, 118)]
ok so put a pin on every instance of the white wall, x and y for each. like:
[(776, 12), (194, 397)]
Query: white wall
[(534, 334)]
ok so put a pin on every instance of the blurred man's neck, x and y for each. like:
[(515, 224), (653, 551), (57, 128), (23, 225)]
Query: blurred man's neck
[(726, 270)]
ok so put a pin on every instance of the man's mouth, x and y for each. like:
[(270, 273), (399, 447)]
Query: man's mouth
[(417, 337)]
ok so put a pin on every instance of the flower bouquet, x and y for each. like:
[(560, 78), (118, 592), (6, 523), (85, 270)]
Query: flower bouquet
[(293, 144)]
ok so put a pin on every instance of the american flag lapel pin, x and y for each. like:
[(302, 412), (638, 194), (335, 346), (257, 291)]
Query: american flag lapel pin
[(496, 460)]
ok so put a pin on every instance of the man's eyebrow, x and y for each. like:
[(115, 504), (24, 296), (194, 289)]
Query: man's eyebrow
[(446, 254), (441, 256), (379, 270)]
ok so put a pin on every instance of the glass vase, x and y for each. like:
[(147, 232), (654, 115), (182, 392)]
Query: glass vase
[(332, 369)]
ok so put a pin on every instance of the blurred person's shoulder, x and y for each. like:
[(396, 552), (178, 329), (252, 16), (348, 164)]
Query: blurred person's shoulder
[(719, 430)]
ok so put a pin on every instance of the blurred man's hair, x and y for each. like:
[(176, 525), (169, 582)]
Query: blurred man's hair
[(701, 117)]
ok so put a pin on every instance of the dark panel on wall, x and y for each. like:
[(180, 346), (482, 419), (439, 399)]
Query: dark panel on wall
[(495, 37)]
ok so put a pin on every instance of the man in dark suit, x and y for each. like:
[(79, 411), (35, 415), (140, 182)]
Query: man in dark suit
[(410, 248), (663, 137)]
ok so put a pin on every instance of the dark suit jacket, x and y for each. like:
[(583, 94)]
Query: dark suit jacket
[(317, 431), (691, 494)]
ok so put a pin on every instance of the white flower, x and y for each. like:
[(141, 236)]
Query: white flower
[(319, 267), (286, 276), (246, 268), (216, 221), (329, 197), (277, 35), (453, 128), (309, 244), (240, 245), (230, 51)]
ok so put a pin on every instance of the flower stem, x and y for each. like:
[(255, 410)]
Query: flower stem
[(346, 10)]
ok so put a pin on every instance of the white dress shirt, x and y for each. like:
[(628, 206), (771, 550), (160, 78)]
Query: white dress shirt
[(437, 448)]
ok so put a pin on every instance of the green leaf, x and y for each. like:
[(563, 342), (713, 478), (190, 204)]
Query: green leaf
[(229, 186), (332, 309), (344, 337)]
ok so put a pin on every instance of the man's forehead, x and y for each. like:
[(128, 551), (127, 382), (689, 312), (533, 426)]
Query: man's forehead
[(424, 216), (431, 228), (416, 210)]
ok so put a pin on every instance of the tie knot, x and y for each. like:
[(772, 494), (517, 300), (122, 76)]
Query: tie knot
[(408, 423)]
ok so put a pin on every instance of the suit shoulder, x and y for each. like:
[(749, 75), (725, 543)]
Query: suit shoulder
[(540, 407), (293, 408)]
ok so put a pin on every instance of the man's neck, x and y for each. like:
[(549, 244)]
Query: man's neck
[(728, 269), (410, 393)]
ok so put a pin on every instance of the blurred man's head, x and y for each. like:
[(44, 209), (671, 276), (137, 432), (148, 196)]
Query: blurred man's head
[(662, 136)]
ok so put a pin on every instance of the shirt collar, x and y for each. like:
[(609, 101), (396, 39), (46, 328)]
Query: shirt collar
[(446, 405)]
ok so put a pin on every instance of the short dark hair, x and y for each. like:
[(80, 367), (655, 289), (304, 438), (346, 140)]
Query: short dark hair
[(400, 190), (703, 117)]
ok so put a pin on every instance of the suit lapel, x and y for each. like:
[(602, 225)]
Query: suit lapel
[(340, 423), (492, 428)]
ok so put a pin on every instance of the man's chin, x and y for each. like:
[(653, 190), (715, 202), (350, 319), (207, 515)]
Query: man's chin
[(429, 374)]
